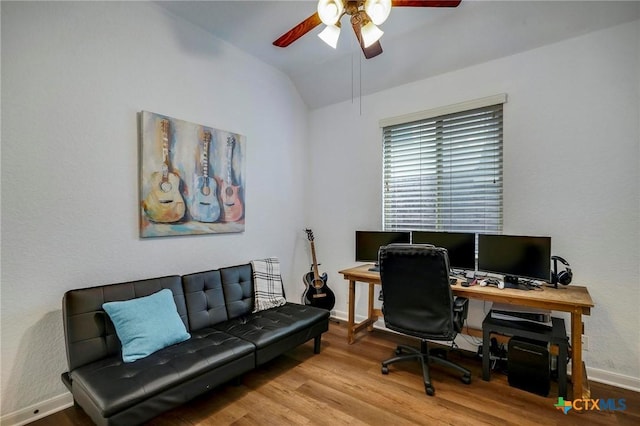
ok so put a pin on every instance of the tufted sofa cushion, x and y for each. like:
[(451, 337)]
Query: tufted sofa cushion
[(205, 299), (113, 385), (89, 333), (272, 331), (237, 285), (277, 330)]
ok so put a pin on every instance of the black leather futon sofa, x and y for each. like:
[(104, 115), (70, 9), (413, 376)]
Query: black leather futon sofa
[(227, 340)]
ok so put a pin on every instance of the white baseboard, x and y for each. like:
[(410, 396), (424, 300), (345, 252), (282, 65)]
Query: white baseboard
[(37, 411), (613, 379)]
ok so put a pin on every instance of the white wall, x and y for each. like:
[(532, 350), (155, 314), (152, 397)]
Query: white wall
[(74, 76), (571, 171)]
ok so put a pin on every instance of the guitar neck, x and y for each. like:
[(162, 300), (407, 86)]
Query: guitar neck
[(316, 274), (230, 143), (165, 150), (205, 158)]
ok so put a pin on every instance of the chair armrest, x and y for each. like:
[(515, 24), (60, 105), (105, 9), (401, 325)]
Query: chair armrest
[(460, 304), (460, 310)]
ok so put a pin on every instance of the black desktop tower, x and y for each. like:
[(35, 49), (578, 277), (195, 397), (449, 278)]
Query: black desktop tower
[(529, 365)]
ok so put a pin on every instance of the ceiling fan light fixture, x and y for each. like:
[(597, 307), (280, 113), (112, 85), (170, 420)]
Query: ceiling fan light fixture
[(370, 34), (378, 10), (330, 11), (330, 35)]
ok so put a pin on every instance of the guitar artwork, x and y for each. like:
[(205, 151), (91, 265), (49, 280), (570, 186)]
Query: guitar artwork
[(164, 203), (317, 293), (204, 206), (232, 208)]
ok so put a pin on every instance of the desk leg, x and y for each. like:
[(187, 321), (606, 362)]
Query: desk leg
[(576, 353), (371, 314), (486, 361), (351, 307), (562, 370)]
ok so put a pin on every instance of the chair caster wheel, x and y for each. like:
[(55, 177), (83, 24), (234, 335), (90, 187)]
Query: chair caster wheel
[(466, 380), (430, 390), (385, 369)]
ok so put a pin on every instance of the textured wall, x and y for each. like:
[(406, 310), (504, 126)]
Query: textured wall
[(74, 76)]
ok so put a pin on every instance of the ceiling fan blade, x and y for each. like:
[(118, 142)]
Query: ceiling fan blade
[(425, 3), (371, 51), (298, 31)]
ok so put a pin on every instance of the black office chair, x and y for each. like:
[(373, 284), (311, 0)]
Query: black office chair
[(418, 302)]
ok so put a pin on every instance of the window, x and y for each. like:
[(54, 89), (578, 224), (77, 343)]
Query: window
[(444, 172)]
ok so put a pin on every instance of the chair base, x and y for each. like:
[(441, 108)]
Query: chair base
[(425, 357)]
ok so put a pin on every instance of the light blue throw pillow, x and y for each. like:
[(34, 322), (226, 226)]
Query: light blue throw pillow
[(146, 324)]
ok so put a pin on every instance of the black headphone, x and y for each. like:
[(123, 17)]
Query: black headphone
[(562, 277)]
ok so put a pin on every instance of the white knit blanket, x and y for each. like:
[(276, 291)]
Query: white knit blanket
[(267, 284)]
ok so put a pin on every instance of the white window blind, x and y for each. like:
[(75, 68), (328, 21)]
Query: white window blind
[(444, 173)]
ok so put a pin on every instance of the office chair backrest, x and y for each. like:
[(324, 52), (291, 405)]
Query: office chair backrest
[(416, 290)]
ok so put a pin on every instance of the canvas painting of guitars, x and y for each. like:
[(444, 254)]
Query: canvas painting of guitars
[(192, 178), (164, 202), (317, 293), (203, 205)]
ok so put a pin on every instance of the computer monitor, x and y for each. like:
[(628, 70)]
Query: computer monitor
[(461, 246), (369, 242), (515, 256)]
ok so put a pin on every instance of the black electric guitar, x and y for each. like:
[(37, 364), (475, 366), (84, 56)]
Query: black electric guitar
[(317, 293)]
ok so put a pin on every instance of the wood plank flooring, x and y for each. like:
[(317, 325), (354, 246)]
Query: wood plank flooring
[(343, 385)]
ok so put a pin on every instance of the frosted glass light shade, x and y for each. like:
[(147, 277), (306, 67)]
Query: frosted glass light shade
[(330, 11), (330, 35), (370, 34), (378, 10)]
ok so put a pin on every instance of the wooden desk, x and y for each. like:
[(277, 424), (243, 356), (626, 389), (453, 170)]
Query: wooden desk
[(573, 299)]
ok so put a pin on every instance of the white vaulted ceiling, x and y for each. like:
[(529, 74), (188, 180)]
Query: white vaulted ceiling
[(418, 42)]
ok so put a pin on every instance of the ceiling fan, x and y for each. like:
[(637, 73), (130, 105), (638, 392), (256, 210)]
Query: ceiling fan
[(366, 15)]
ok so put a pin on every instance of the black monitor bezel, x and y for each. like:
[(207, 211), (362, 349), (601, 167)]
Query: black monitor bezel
[(510, 243), (384, 242), (443, 239)]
